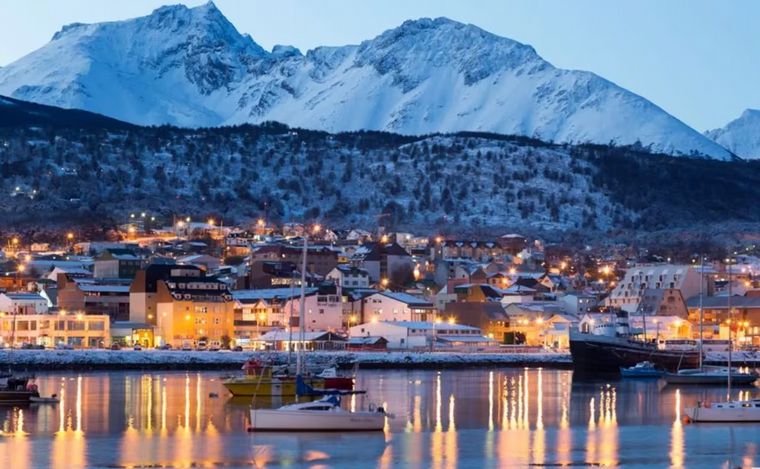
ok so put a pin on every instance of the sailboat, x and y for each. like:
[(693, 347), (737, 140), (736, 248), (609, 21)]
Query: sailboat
[(706, 375), (729, 411), (325, 414)]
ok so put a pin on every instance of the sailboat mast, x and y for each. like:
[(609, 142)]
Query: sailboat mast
[(290, 318), (701, 306), (301, 309), (730, 328)]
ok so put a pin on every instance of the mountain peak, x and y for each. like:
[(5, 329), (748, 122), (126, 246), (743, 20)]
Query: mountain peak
[(413, 50), (741, 135)]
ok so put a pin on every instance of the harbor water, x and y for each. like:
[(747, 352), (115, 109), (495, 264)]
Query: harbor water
[(441, 419)]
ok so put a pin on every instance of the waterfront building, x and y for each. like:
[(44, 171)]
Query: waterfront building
[(51, 330), (394, 306), (194, 309), (422, 335)]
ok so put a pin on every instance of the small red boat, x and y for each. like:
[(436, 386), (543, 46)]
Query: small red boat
[(333, 381)]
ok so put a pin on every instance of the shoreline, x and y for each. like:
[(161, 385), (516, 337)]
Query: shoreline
[(106, 360)]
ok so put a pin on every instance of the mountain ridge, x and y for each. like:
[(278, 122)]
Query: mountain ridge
[(191, 67)]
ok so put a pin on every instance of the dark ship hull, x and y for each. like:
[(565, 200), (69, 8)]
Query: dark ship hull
[(605, 354)]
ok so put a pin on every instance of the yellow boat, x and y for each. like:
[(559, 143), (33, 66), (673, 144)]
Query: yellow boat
[(261, 380)]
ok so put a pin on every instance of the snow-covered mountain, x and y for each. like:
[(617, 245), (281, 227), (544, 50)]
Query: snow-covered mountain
[(191, 67), (741, 135)]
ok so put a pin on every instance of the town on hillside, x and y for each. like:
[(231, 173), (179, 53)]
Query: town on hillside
[(204, 286)]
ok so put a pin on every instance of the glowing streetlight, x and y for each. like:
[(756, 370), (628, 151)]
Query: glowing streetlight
[(260, 222), (21, 268), (187, 219), (384, 282), (211, 221), (69, 235), (452, 320), (15, 241)]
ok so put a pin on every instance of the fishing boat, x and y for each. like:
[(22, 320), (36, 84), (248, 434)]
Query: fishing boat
[(644, 369), (262, 380), (321, 415), (730, 411), (711, 375), (609, 347), (16, 389)]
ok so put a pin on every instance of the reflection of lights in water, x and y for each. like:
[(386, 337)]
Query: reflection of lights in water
[(417, 414), (676, 436), (490, 401), (564, 436), (452, 425), (79, 404), (451, 447), (438, 423), (62, 410), (602, 435), (149, 404), (387, 425), (540, 401), (198, 402), (591, 433), (539, 436), (526, 400), (187, 401), (163, 407)]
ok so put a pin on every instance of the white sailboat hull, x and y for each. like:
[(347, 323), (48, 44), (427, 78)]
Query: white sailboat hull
[(738, 411), (315, 421)]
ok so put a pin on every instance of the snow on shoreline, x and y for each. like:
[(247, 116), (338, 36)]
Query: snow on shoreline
[(159, 359)]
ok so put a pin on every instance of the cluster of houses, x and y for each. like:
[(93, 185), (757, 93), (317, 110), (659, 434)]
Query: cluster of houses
[(360, 292)]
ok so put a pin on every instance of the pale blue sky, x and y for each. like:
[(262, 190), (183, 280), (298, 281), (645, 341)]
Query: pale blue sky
[(698, 59)]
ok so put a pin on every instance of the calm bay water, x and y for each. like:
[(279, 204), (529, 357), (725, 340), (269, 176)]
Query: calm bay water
[(447, 419)]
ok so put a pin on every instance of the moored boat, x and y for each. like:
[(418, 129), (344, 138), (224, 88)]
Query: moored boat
[(707, 375), (599, 353), (322, 415), (262, 380), (644, 369), (730, 411), (333, 381), (16, 389)]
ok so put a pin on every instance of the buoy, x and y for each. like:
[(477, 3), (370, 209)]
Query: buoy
[(686, 419), (213, 394)]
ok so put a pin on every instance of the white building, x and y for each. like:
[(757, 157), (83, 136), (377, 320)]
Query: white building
[(23, 303), (346, 276), (394, 306), (578, 303), (404, 335), (271, 308), (630, 290)]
